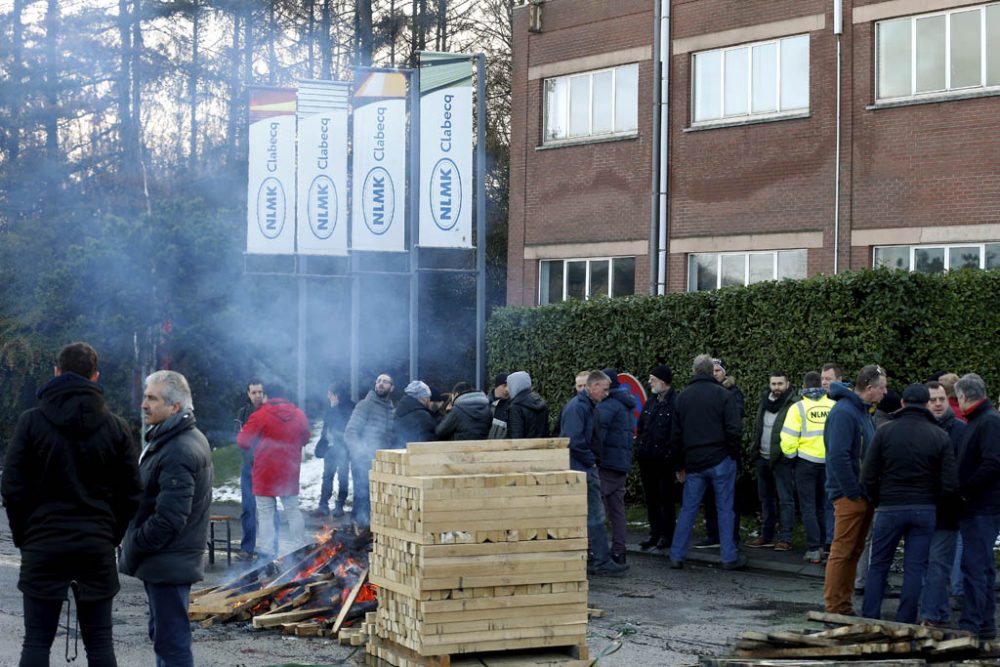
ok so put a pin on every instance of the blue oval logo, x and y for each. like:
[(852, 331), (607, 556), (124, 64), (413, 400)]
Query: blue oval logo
[(446, 194), (321, 207), (378, 201), (271, 207)]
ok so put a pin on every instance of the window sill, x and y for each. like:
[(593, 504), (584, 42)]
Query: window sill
[(934, 98), (745, 120), (583, 141)]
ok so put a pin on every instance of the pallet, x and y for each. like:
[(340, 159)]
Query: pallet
[(385, 652)]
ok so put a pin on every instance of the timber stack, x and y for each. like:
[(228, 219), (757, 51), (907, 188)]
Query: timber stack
[(478, 547)]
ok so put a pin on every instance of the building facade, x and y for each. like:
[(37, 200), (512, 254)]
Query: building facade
[(797, 137)]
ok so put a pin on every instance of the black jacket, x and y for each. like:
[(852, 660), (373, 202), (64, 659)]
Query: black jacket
[(979, 461), (414, 422), (653, 440), (775, 455), (527, 416), (71, 478), (910, 461), (334, 423), (165, 543), (949, 508), (470, 418), (706, 424), (617, 424)]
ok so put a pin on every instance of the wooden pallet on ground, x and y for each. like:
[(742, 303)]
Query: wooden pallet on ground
[(384, 652)]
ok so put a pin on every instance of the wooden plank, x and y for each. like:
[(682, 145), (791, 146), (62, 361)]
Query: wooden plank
[(273, 620), (825, 617), (349, 602), (957, 644), (817, 651), (799, 639), (486, 445)]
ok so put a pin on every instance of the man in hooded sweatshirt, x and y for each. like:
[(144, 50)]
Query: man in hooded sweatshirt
[(414, 421), (370, 428), (617, 426), (470, 417), (70, 485), (527, 413), (276, 432)]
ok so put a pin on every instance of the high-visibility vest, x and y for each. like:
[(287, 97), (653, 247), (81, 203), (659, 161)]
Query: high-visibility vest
[(802, 433)]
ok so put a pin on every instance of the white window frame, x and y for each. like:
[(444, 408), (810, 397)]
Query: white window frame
[(568, 112), (935, 246), (984, 61), (746, 264), (565, 280), (750, 114)]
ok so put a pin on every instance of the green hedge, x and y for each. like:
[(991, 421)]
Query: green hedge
[(912, 324)]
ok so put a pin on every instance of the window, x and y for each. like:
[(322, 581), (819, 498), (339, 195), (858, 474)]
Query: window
[(939, 258), (708, 271), (593, 104), (562, 279), (760, 79), (937, 53)]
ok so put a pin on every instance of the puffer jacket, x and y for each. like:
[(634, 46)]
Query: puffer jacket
[(848, 432), (414, 422), (527, 413), (617, 428), (371, 425), (653, 439), (277, 431), (165, 543), (580, 423), (470, 418)]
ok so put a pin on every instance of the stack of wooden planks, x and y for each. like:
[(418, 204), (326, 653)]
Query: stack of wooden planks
[(855, 639), (478, 546)]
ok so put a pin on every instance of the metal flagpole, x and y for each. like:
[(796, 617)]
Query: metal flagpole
[(481, 221), (414, 221)]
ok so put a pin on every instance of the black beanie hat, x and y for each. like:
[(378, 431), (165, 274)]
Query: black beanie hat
[(664, 373)]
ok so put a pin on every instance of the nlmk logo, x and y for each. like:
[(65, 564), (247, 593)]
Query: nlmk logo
[(321, 207), (378, 201), (446, 194), (271, 207)]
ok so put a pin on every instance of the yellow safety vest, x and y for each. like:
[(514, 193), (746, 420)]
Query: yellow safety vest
[(802, 433)]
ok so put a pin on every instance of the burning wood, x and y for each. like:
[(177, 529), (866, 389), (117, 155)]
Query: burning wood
[(306, 592)]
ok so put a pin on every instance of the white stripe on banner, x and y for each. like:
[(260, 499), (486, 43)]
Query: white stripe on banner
[(322, 168), (271, 186), (379, 187)]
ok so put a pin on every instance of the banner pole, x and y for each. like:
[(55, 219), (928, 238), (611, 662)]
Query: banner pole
[(413, 221), (481, 221)]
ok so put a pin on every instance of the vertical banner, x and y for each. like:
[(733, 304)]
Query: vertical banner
[(379, 161), (271, 172), (322, 167), (445, 150)]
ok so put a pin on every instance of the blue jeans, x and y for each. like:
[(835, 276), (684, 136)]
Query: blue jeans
[(248, 510), (723, 481), (979, 573), (810, 482), (334, 463), (934, 600), (169, 627), (916, 526), (597, 534)]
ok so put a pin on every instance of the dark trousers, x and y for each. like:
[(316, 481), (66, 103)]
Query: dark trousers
[(613, 493), (662, 493), (41, 620), (979, 534), (248, 510), (169, 627), (810, 481), (334, 463)]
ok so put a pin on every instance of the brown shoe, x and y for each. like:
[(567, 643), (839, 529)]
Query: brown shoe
[(759, 542), (782, 546)]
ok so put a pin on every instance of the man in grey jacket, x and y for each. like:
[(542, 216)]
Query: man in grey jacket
[(370, 428), (165, 543)]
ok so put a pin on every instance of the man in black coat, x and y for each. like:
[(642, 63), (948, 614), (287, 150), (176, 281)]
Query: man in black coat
[(165, 543), (470, 417), (414, 421), (527, 413), (333, 450), (657, 460), (70, 485)]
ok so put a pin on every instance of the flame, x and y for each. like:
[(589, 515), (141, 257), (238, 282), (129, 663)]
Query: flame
[(323, 535), (366, 594), (319, 561)]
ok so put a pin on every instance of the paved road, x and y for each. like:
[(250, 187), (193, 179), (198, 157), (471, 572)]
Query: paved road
[(653, 616)]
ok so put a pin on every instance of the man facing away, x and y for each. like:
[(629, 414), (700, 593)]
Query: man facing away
[(370, 428), (248, 506), (617, 423), (165, 543), (333, 450), (277, 432), (848, 432), (70, 485), (527, 413)]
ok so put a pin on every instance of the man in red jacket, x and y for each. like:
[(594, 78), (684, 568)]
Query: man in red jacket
[(277, 431)]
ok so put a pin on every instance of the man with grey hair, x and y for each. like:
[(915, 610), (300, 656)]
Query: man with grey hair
[(979, 488), (165, 543), (706, 428)]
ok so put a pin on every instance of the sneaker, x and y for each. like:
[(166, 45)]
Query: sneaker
[(782, 546), (676, 564), (609, 569), (663, 544), (618, 558), (814, 556), (739, 564), (707, 543), (243, 555), (759, 542), (649, 543)]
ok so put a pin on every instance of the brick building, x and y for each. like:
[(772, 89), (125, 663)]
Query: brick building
[(755, 187)]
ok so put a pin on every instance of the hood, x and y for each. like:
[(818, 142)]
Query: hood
[(281, 408), (408, 404), (518, 382), (624, 396), (528, 399), (839, 390), (72, 402), (472, 399)]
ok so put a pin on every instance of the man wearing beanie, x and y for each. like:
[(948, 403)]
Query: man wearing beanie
[(617, 423), (657, 460), (414, 421), (908, 468), (527, 414)]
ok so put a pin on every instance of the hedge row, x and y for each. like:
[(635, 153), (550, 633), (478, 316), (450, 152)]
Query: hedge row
[(912, 324)]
